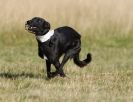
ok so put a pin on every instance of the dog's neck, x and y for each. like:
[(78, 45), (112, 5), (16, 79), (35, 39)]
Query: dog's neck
[(45, 37)]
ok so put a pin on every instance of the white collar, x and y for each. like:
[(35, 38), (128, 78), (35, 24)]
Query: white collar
[(45, 37)]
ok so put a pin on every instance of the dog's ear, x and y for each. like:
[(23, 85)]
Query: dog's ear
[(46, 25)]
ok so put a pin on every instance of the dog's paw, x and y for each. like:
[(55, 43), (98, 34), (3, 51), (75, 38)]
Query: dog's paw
[(62, 75), (52, 75)]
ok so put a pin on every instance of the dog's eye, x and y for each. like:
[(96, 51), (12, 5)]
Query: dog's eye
[(39, 21)]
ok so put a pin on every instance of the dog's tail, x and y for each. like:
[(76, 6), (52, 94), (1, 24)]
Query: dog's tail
[(84, 62)]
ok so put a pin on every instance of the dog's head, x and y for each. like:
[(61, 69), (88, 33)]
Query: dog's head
[(37, 26)]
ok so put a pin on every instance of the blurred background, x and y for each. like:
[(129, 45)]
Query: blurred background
[(106, 27), (90, 17)]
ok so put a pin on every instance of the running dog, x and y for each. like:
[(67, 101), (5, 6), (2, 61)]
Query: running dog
[(52, 44)]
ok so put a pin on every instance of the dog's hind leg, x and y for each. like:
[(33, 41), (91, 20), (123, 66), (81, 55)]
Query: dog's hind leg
[(59, 66), (59, 69), (68, 54)]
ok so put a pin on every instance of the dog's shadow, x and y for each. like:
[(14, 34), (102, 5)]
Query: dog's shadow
[(9, 75)]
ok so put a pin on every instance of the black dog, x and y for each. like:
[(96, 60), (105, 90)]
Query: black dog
[(53, 44)]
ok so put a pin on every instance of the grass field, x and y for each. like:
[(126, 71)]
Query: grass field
[(106, 27)]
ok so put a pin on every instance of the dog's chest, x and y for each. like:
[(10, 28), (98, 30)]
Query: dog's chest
[(44, 51)]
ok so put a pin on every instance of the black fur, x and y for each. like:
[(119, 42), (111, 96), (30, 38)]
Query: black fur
[(64, 41)]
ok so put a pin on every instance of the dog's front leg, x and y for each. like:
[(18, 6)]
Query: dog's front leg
[(48, 65), (49, 73)]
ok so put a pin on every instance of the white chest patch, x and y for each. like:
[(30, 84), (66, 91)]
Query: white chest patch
[(45, 37), (45, 57)]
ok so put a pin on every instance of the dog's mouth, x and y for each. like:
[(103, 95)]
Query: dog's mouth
[(30, 28)]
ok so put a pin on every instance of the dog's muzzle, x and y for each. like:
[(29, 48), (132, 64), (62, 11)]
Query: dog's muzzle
[(29, 28)]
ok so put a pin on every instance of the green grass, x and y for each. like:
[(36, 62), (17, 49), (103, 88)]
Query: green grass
[(106, 30), (109, 77)]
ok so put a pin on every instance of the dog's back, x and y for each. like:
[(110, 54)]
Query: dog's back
[(68, 32), (67, 38)]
